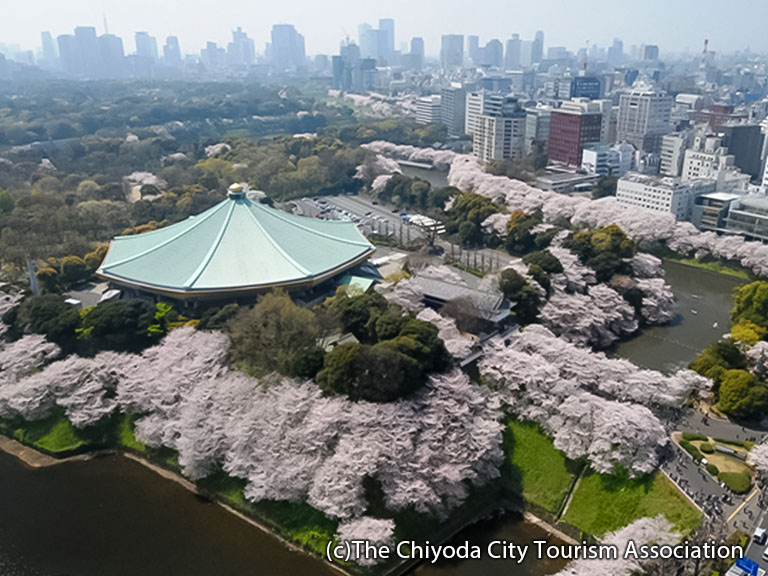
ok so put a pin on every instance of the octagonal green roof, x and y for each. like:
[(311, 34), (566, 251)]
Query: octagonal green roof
[(236, 246)]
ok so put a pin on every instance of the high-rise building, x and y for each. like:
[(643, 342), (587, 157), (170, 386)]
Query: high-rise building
[(453, 108), (512, 58), (287, 47), (415, 58), (616, 53), (351, 73), (650, 52), (493, 54), (745, 142), (69, 54), (479, 103), (574, 125), (526, 53), (111, 55), (172, 51), (644, 118), (537, 47), (537, 121), (146, 46), (387, 40), (369, 43), (500, 136), (50, 54), (87, 48), (452, 51), (241, 51), (473, 47)]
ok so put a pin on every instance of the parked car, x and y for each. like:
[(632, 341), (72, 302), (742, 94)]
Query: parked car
[(760, 536)]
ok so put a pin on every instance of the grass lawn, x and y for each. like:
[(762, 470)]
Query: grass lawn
[(295, 521), (127, 436), (543, 471), (604, 503), (54, 434), (715, 267)]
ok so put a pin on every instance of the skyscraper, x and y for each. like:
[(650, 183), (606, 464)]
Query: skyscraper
[(287, 47), (146, 46), (452, 51), (537, 48), (417, 52), (241, 51), (473, 47), (387, 39), (493, 54), (513, 52), (171, 51), (68, 54), (111, 55), (49, 47), (87, 49)]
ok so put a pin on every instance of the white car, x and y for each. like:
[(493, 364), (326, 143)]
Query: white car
[(765, 554), (759, 537)]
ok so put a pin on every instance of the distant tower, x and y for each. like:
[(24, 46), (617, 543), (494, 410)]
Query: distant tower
[(703, 64)]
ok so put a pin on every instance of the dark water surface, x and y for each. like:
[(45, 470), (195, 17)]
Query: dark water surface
[(114, 517), (704, 301)]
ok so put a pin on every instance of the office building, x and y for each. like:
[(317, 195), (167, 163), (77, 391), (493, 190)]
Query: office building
[(172, 51), (478, 103), (287, 47), (428, 110), (586, 87), (608, 160), (616, 53), (537, 47), (574, 125), (50, 54), (710, 211), (416, 56), (387, 41), (537, 121), (512, 56), (453, 106), (745, 142), (88, 49), (673, 147), (111, 55), (146, 46), (661, 194), (69, 54), (351, 72), (650, 52), (452, 51), (473, 48), (748, 216), (493, 54), (242, 50), (644, 118), (500, 136)]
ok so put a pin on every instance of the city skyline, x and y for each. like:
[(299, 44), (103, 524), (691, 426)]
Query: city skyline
[(680, 29)]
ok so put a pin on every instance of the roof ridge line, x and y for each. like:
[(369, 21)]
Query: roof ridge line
[(212, 250), (198, 221), (279, 216), (277, 247)]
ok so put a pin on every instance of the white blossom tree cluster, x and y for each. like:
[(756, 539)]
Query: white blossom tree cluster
[(283, 436), (647, 228), (440, 159), (457, 344), (590, 404), (642, 532), (376, 531)]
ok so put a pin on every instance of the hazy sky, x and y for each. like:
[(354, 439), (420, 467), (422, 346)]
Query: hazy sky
[(675, 25)]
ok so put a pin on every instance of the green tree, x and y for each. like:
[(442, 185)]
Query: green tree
[(524, 296), (606, 186), (520, 239), (751, 303), (74, 270), (49, 280), (742, 396), (545, 260), (274, 335), (123, 325), (49, 314)]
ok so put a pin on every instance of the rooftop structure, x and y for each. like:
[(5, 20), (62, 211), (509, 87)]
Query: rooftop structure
[(237, 248)]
